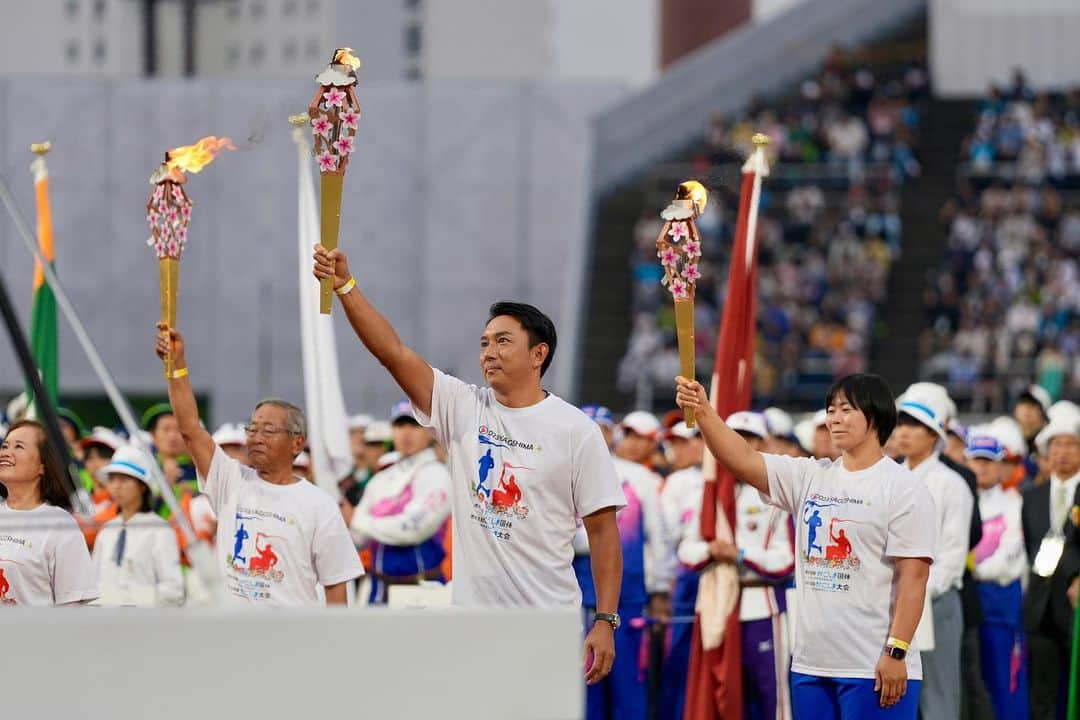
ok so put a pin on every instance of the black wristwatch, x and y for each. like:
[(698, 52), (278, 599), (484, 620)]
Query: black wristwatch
[(896, 653), (612, 618)]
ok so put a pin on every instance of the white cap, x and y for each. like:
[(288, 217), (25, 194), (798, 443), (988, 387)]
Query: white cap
[(1056, 428), (1039, 394), (680, 430), (804, 434), (1009, 434), (103, 436), (928, 407), (643, 423), (131, 461), (388, 459), (748, 422), (303, 460), (230, 434), (922, 389), (779, 422), (820, 419), (359, 422), (377, 432), (1064, 410)]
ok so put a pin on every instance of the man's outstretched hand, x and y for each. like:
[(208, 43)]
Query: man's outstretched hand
[(331, 264)]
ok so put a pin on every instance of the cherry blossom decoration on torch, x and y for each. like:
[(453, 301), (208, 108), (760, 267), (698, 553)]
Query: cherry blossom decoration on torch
[(334, 114), (169, 211), (679, 250)]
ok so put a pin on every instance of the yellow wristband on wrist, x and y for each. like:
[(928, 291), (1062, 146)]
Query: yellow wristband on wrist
[(897, 642), (178, 373), (347, 287)]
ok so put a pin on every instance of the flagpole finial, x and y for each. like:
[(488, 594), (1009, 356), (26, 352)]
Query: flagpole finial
[(41, 148), (299, 120), (760, 139)]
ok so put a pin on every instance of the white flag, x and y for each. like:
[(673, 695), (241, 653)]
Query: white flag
[(328, 433)]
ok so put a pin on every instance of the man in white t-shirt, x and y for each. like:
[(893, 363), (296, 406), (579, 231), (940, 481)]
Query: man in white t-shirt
[(865, 538), (524, 465), (920, 435), (279, 538)]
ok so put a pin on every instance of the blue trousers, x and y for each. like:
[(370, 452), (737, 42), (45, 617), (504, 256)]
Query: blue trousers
[(825, 698), (622, 695), (1003, 656)]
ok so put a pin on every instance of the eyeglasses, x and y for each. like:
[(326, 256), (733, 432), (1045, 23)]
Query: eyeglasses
[(252, 429)]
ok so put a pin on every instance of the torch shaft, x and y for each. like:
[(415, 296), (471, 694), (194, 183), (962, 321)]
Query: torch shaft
[(684, 329), (330, 221), (169, 275)]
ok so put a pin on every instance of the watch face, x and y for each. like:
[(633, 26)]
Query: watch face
[(897, 653)]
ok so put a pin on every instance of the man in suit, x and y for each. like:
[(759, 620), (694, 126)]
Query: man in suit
[(1047, 611)]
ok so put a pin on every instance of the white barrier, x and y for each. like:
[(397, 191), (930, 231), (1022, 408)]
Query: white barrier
[(159, 665)]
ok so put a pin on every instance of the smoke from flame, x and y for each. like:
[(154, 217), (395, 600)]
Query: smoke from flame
[(193, 158)]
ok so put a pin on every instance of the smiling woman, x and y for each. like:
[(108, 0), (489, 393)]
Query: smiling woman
[(43, 557)]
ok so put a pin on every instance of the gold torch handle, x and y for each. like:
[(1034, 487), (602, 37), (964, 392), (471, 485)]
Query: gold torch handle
[(169, 275), (330, 221), (684, 329)]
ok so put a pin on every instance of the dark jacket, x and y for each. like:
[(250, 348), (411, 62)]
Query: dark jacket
[(1046, 607)]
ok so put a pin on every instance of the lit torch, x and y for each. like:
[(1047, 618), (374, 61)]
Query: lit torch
[(169, 211), (679, 250), (334, 114)]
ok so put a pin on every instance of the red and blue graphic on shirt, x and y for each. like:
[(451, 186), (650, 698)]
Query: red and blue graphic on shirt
[(499, 501), (5, 585), (263, 563), (830, 562)]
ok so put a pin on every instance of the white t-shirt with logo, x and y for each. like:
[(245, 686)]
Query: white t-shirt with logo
[(850, 527), (277, 543), (43, 558), (520, 477)]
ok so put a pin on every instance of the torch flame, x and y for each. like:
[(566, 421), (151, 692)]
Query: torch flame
[(344, 56), (193, 158), (695, 192)]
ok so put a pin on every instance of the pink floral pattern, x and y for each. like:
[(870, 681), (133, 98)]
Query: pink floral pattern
[(321, 126), (344, 145), (692, 248), (185, 213), (172, 216), (668, 257), (327, 162), (690, 273), (678, 231), (173, 248), (334, 97), (178, 194), (350, 118), (679, 289)]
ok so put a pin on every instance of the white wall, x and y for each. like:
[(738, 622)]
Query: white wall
[(599, 40), (127, 664), (976, 42), (459, 194)]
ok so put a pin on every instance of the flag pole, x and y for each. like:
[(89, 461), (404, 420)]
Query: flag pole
[(198, 552), (1074, 667)]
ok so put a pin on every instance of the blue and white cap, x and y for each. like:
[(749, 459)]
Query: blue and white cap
[(927, 408), (402, 409), (981, 445), (599, 415), (131, 461)]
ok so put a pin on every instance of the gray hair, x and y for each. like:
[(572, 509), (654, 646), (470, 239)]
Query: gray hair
[(295, 422)]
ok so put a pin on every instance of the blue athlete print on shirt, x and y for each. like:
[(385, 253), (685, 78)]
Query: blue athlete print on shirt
[(813, 521), (487, 463), (241, 535)]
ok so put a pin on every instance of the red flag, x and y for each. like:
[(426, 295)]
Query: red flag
[(714, 684)]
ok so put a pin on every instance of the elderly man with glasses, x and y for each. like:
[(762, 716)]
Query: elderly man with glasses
[(279, 537)]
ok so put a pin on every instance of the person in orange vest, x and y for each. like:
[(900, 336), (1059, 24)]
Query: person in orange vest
[(98, 448)]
